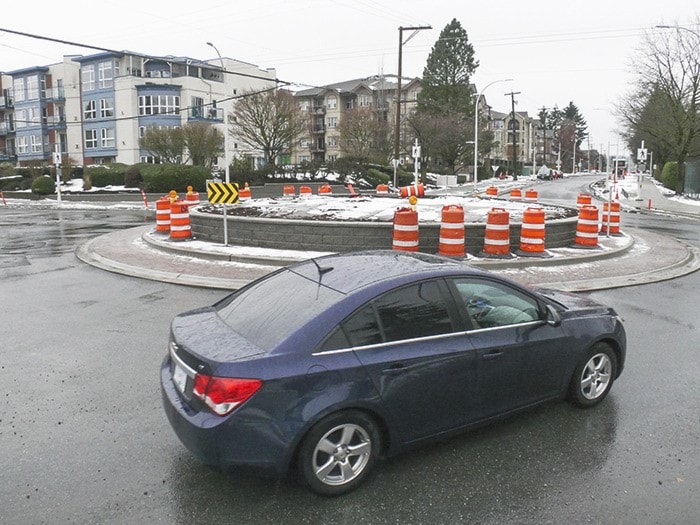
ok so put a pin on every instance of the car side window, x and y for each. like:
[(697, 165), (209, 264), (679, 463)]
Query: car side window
[(414, 311), (418, 310), (489, 304)]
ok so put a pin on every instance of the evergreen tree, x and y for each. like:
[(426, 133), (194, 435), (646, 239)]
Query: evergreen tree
[(445, 87), (444, 116)]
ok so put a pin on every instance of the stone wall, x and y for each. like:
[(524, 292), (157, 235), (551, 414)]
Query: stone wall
[(341, 236)]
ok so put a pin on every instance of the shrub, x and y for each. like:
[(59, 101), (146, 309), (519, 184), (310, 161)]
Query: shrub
[(161, 178), (44, 185), (110, 175), (133, 177), (669, 176)]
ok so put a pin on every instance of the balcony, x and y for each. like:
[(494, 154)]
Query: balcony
[(6, 101), (206, 113), (55, 93), (55, 121), (6, 128), (318, 110)]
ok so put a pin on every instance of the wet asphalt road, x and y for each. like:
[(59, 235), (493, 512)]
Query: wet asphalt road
[(84, 439)]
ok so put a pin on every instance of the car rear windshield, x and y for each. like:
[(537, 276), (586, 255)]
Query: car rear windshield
[(271, 309)]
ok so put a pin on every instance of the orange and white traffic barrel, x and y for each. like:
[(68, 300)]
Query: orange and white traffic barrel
[(244, 194), (497, 234), (583, 199), (417, 190), (531, 196), (305, 191), (492, 191), (382, 189), (163, 214), (516, 194), (405, 230), (180, 220), (587, 227), (451, 241), (191, 197), (532, 232), (612, 218), (325, 189), (288, 190)]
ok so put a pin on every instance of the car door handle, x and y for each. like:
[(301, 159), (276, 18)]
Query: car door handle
[(493, 354), (394, 370)]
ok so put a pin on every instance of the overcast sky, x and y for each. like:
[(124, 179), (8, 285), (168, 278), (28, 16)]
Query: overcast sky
[(556, 51)]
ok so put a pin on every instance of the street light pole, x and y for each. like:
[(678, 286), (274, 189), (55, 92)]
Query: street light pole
[(397, 130), (226, 160), (476, 124)]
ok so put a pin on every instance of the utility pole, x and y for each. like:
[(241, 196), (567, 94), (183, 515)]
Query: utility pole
[(543, 112), (397, 131), (512, 125)]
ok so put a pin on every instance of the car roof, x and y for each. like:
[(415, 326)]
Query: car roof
[(351, 271)]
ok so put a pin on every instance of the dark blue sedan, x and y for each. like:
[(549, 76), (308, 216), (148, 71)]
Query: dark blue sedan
[(325, 366)]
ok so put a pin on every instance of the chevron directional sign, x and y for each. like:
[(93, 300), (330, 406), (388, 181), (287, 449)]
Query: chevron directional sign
[(222, 192)]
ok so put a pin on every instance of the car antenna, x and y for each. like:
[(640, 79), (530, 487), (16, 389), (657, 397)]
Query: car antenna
[(321, 271)]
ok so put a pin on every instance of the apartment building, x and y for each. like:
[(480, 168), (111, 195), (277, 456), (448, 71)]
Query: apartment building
[(95, 108), (327, 105), (526, 131)]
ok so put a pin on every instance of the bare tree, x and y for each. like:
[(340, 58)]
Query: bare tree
[(198, 142), (364, 135), (269, 121), (203, 142), (665, 101), (165, 143)]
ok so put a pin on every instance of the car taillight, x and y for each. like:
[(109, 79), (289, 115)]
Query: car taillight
[(224, 394)]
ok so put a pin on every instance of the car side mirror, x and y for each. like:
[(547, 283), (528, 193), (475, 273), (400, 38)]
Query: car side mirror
[(552, 316)]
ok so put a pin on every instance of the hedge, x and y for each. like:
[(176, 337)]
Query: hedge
[(44, 185), (161, 178)]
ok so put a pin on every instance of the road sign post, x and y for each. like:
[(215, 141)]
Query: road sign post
[(222, 193)]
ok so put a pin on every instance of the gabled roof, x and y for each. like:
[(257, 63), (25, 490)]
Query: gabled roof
[(373, 83)]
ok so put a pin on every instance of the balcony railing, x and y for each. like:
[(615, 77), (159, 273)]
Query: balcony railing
[(6, 127), (6, 101), (206, 113), (55, 93)]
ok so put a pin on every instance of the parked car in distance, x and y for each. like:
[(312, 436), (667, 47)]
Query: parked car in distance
[(325, 366)]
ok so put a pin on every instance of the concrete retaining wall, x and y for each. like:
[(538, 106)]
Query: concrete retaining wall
[(341, 236)]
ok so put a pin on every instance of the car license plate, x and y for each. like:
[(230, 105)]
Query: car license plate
[(180, 378)]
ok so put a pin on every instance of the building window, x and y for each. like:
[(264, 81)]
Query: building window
[(304, 105), (364, 101), (106, 108), (349, 104), (107, 137), (34, 116), (90, 111), (105, 74), (159, 105), (32, 88), (332, 102), (90, 138), (21, 144), (332, 122), (88, 78), (197, 107), (36, 144), (142, 131), (332, 142), (304, 143), (21, 118), (18, 88)]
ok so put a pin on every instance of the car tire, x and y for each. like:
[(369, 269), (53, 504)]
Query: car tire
[(594, 376), (338, 453)]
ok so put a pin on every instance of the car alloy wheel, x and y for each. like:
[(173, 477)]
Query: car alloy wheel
[(339, 452), (594, 377)]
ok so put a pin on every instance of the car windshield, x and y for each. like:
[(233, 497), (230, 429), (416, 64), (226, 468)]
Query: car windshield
[(267, 312)]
